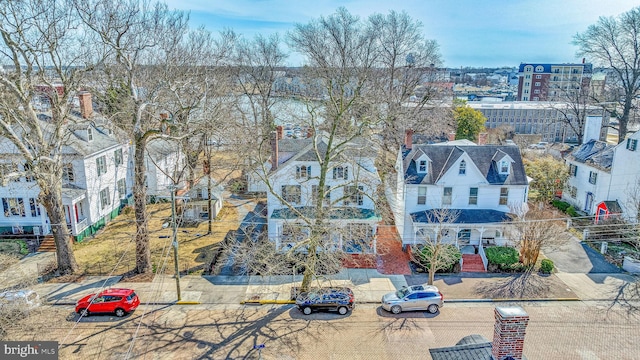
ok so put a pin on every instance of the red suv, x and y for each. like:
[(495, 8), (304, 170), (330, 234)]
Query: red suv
[(118, 301)]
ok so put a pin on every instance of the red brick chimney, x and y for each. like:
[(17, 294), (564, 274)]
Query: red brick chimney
[(86, 106), (279, 130), (408, 139), (482, 138), (452, 136), (165, 127), (509, 331), (274, 150)]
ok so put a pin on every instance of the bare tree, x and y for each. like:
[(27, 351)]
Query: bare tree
[(42, 45), (533, 229), (574, 103), (406, 78), (256, 65), (437, 251), (140, 73), (613, 42), (340, 54)]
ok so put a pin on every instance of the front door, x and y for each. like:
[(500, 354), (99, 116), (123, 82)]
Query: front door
[(588, 203)]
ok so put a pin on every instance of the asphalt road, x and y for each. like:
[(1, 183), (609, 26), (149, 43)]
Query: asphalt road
[(557, 330)]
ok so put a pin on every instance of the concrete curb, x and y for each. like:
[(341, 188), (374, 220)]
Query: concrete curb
[(263, 302), (185, 302)]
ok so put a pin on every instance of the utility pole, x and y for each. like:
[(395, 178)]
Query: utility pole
[(175, 238)]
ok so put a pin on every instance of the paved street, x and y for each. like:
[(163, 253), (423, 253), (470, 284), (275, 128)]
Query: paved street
[(557, 330)]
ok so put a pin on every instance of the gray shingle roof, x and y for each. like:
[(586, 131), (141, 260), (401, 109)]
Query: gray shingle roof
[(464, 216), (595, 153), (463, 352), (335, 213), (443, 157)]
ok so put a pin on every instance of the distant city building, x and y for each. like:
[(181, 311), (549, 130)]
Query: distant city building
[(542, 118), (540, 82)]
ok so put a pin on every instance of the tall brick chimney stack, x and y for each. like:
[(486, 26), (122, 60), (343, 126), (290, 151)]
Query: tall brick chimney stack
[(509, 331), (274, 150), (279, 130), (163, 118), (408, 139), (482, 138), (452, 136), (86, 106)]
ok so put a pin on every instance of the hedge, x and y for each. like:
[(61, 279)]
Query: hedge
[(503, 256), (423, 256)]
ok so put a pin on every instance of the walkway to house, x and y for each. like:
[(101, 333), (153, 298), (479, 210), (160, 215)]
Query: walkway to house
[(391, 258)]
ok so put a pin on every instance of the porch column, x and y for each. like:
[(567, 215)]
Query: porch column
[(278, 235)]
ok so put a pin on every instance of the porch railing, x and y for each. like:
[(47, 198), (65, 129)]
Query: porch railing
[(483, 255), (81, 225)]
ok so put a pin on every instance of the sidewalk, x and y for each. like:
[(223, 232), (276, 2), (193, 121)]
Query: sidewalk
[(368, 286)]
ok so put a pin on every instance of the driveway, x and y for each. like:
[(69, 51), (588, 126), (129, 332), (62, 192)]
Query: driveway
[(577, 257)]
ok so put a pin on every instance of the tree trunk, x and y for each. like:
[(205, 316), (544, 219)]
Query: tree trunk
[(623, 123), (209, 201), (51, 198), (432, 274), (143, 252)]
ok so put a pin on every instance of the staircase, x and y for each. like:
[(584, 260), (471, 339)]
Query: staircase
[(472, 263), (48, 244)]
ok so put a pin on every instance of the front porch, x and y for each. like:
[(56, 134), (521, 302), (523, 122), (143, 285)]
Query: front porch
[(469, 230)]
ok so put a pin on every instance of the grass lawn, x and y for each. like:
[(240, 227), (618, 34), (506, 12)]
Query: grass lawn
[(112, 250)]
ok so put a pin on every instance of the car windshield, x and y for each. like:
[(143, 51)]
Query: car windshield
[(402, 293)]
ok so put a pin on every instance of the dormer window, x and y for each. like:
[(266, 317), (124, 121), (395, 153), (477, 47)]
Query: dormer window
[(303, 172), (463, 168), (504, 167), (422, 166), (89, 134)]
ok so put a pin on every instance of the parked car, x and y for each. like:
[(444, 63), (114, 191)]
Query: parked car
[(541, 145), (328, 299), (416, 297), (19, 300), (113, 301), (510, 142)]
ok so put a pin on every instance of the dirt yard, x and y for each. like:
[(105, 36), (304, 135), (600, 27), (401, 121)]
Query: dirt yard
[(112, 250)]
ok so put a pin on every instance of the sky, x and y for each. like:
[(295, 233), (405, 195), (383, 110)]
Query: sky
[(479, 33)]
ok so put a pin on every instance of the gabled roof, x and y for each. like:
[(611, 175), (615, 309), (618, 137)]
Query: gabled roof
[(303, 150), (594, 153), (484, 157), (160, 148), (472, 347)]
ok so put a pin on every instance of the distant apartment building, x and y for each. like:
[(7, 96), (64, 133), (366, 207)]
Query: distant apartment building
[(541, 82), (542, 118)]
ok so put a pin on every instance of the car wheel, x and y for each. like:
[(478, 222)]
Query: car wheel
[(396, 309), (433, 308), (306, 310), (83, 312), (120, 312), (342, 310)]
